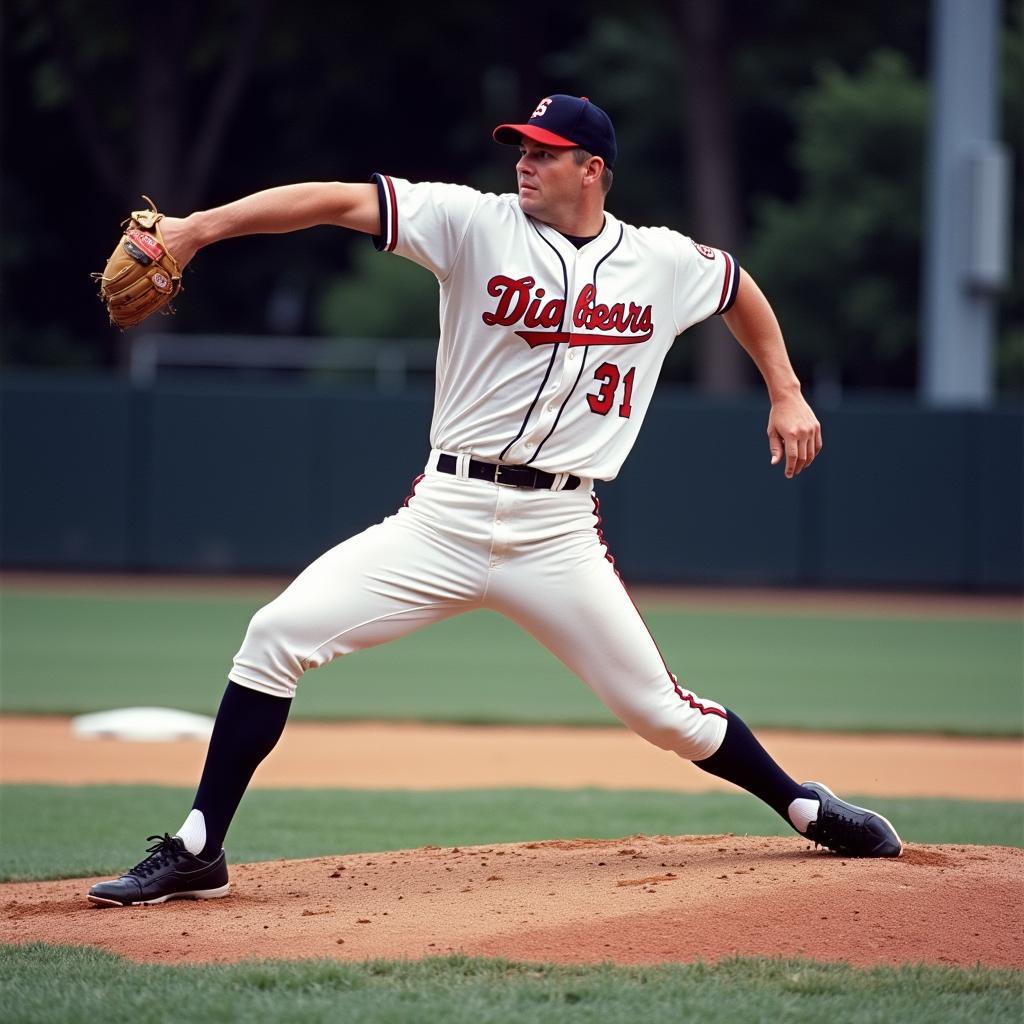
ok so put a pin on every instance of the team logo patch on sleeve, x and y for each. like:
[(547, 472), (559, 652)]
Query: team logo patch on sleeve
[(705, 250)]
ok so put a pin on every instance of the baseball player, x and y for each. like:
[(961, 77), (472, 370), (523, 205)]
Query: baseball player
[(555, 318)]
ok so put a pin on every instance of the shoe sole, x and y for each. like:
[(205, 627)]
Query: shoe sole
[(195, 894), (866, 810)]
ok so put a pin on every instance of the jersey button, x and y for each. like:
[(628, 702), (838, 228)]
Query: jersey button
[(571, 356), (529, 444)]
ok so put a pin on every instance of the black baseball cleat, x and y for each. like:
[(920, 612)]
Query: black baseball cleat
[(850, 830), (170, 872)]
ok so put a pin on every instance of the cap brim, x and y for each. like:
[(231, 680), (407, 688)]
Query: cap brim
[(512, 134)]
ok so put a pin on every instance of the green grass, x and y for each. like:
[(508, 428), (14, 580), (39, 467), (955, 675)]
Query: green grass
[(68, 832), (70, 653), (55, 983)]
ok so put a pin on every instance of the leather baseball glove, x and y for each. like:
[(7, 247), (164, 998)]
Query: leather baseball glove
[(141, 276)]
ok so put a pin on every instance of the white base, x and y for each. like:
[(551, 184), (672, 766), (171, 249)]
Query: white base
[(143, 724)]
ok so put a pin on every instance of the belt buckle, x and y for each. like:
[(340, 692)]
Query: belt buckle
[(497, 476)]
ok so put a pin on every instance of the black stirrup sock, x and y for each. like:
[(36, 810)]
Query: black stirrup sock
[(248, 725), (742, 760)]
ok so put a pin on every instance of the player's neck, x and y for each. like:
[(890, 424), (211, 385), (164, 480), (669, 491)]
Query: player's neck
[(578, 223)]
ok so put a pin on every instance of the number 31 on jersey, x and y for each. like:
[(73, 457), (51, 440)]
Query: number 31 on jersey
[(602, 402)]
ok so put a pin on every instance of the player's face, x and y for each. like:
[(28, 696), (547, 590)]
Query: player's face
[(549, 181)]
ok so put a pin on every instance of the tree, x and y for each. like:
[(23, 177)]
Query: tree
[(196, 105), (381, 297), (1010, 355), (842, 260), (149, 92), (710, 129), (131, 75)]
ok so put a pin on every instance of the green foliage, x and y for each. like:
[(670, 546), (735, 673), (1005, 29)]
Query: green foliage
[(382, 296), (71, 984), (110, 823), (841, 261), (777, 666), (639, 97), (1010, 355)]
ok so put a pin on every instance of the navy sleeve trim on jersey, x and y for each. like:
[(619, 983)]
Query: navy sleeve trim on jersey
[(388, 237), (731, 284)]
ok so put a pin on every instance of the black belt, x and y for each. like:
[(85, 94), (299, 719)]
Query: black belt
[(511, 476)]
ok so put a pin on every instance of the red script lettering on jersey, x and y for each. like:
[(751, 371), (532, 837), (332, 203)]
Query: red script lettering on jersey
[(520, 302)]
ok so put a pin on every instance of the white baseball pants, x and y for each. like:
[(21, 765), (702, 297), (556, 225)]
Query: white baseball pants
[(458, 544)]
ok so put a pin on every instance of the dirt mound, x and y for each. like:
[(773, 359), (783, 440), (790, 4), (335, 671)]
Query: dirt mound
[(635, 900)]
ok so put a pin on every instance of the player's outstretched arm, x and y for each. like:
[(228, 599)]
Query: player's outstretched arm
[(793, 429), (274, 211)]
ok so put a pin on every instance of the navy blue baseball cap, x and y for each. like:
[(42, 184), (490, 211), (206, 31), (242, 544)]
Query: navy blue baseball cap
[(561, 120)]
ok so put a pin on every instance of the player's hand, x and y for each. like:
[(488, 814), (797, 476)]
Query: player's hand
[(794, 433), (181, 238)]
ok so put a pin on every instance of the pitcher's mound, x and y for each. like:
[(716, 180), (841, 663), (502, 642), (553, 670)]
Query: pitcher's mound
[(638, 900)]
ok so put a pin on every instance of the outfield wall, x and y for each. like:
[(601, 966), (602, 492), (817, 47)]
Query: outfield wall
[(227, 477)]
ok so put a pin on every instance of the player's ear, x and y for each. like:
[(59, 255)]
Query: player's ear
[(593, 170)]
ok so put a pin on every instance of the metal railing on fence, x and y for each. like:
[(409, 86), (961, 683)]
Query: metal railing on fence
[(388, 362)]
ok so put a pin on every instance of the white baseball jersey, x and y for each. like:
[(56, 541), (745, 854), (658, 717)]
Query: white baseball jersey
[(548, 357), (548, 354)]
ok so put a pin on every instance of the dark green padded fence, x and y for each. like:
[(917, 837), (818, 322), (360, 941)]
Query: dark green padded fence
[(214, 477)]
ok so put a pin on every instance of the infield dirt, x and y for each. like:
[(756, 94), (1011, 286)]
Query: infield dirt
[(381, 755), (629, 901)]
